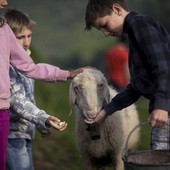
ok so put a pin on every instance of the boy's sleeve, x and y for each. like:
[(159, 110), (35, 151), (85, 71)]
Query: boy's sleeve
[(123, 99), (25, 109), (43, 130), (22, 106)]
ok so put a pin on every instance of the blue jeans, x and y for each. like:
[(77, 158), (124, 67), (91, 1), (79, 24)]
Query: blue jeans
[(19, 154)]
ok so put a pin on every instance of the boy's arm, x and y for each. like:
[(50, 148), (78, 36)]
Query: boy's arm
[(123, 99), (24, 108), (27, 110)]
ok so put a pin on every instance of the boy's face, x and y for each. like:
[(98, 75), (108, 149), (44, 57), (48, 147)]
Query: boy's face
[(111, 25), (3, 3), (24, 38)]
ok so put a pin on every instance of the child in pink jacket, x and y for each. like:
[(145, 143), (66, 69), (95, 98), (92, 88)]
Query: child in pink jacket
[(11, 52)]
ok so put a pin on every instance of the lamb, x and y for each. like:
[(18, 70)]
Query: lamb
[(88, 93)]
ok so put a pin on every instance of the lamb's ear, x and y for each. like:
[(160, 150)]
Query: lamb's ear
[(72, 97), (106, 94), (106, 91), (71, 111)]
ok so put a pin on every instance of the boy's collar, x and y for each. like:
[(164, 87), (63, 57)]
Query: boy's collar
[(125, 21)]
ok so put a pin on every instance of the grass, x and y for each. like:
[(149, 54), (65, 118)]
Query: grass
[(58, 151)]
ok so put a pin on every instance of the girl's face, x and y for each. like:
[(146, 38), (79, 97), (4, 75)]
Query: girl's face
[(3, 3), (111, 25), (24, 38)]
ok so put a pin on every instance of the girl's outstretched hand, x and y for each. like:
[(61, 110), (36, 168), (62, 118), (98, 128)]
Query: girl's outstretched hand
[(56, 123), (74, 73)]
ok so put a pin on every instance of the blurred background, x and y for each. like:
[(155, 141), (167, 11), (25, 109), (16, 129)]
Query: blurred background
[(59, 39)]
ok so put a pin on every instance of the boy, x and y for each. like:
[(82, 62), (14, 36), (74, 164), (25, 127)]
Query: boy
[(23, 109), (149, 63)]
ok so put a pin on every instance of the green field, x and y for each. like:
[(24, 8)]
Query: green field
[(58, 151)]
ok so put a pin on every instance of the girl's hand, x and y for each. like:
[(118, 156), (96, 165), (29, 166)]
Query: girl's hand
[(74, 73)]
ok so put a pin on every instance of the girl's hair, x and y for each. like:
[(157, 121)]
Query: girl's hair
[(17, 20), (100, 8)]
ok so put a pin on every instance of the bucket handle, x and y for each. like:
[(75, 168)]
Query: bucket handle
[(125, 151)]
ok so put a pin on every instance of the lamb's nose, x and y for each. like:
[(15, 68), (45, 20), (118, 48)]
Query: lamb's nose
[(92, 114)]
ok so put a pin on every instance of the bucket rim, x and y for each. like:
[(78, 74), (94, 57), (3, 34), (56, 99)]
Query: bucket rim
[(147, 165), (126, 154), (150, 164)]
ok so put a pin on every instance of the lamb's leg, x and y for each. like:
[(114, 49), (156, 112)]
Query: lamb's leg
[(118, 162), (91, 165)]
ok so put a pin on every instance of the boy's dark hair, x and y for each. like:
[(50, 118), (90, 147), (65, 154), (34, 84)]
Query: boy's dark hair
[(100, 8), (17, 20)]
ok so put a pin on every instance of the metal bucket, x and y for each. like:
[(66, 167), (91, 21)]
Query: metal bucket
[(147, 159)]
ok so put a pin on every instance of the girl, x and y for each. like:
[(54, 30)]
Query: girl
[(11, 52)]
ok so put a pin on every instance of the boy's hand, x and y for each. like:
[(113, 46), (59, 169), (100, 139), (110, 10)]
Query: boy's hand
[(98, 119), (158, 118), (56, 123)]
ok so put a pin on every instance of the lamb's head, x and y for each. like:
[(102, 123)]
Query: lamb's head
[(89, 92)]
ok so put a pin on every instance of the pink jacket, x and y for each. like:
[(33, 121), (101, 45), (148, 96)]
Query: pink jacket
[(12, 53)]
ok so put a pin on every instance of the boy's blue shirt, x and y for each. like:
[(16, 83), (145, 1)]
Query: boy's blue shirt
[(149, 64), (24, 113)]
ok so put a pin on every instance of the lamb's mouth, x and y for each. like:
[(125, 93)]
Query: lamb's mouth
[(88, 119)]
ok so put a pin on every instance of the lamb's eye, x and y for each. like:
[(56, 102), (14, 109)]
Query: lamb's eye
[(76, 89)]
